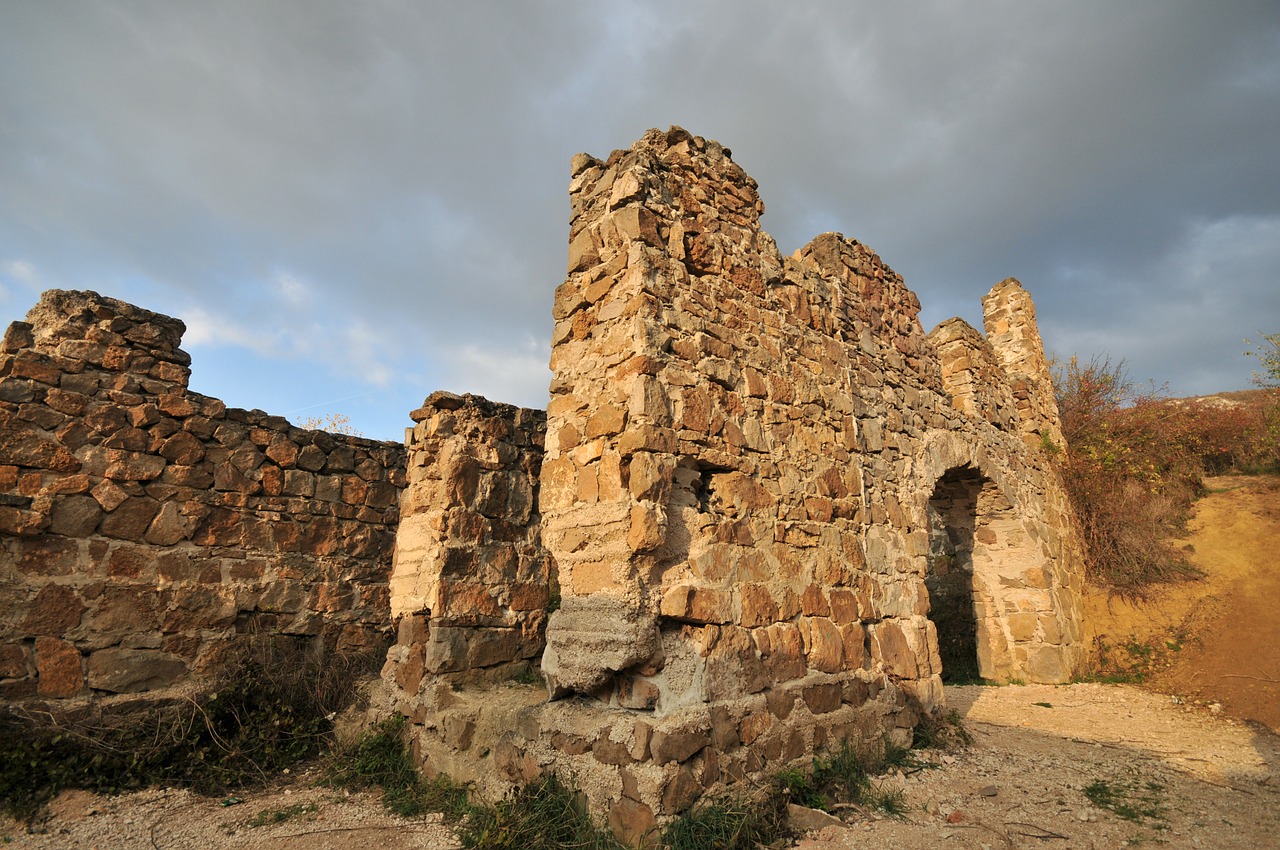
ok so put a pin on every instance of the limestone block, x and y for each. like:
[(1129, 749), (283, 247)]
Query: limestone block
[(583, 252), (590, 638), (758, 606), (650, 476), (56, 610), (677, 744), (130, 519), (21, 444), (648, 527), (75, 516), (58, 665), (123, 670), (823, 644), (889, 647), (170, 525), (183, 449), (822, 698), (631, 821)]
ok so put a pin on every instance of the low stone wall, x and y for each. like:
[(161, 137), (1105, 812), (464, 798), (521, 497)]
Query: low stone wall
[(146, 531)]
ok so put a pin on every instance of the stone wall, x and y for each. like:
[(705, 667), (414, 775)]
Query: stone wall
[(146, 531), (760, 480), (471, 583), (763, 513)]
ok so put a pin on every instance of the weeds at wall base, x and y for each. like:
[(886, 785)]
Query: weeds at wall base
[(380, 759), (1131, 661), (266, 714)]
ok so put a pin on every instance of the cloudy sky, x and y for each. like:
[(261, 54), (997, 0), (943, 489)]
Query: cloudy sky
[(352, 204)]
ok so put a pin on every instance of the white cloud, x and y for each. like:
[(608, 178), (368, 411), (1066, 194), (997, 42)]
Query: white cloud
[(516, 374), (292, 289), (23, 272), (364, 355), (205, 328)]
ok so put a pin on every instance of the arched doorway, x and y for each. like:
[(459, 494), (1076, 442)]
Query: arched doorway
[(952, 511), (978, 554)]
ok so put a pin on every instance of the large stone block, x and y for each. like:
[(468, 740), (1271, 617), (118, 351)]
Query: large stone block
[(590, 638), (59, 667), (121, 670), (56, 610)]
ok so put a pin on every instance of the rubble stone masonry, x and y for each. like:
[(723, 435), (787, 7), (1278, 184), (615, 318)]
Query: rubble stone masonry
[(763, 513), (146, 531), (776, 513)]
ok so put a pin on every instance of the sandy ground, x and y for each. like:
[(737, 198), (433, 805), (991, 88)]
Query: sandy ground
[(1210, 781), (1195, 754)]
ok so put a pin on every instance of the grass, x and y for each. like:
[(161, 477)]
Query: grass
[(380, 759), (1131, 661), (941, 732), (727, 824), (271, 817), (546, 814), (844, 776), (1132, 799), (841, 777)]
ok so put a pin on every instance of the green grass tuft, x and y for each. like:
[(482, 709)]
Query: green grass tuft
[(380, 759), (1132, 799), (546, 814), (271, 817), (727, 824), (937, 731)]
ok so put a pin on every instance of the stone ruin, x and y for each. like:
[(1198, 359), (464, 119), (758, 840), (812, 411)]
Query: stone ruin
[(763, 512), (772, 512)]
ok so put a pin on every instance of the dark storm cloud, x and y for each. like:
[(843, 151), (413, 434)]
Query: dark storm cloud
[(379, 188)]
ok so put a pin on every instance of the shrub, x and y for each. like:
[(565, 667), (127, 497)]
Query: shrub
[(545, 814), (334, 423), (270, 710), (1131, 468)]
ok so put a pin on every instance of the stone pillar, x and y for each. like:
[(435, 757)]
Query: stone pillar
[(971, 376), (1009, 317), (610, 446), (467, 554)]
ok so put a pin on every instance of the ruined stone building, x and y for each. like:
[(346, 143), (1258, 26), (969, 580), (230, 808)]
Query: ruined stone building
[(763, 511)]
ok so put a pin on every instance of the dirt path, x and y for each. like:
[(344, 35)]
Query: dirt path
[(1228, 624), (1191, 776), (1203, 781), (1234, 656)]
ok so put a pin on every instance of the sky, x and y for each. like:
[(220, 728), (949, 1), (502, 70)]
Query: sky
[(353, 204)]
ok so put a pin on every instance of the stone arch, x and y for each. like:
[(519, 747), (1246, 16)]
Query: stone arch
[(987, 564), (967, 515)]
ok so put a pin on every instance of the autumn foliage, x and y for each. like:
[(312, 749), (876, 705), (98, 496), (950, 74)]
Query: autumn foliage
[(1134, 461)]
